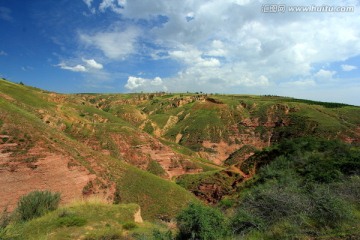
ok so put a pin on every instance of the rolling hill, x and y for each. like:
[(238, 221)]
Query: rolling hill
[(133, 148)]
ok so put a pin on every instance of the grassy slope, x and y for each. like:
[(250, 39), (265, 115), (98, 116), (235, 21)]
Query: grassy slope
[(79, 220), (135, 186)]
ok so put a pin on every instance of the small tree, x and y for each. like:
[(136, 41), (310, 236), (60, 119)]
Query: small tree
[(201, 222), (36, 204)]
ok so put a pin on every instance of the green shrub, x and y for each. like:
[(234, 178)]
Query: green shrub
[(329, 209), (273, 202), (349, 189), (105, 236), (5, 218), (158, 235), (129, 225), (36, 204), (244, 221), (226, 203), (201, 222), (148, 128), (117, 196), (155, 168)]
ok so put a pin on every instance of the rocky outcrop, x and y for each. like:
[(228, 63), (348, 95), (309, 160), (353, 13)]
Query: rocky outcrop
[(137, 217)]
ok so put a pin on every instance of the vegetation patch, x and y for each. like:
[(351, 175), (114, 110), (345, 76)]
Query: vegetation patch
[(155, 168), (70, 220), (210, 186), (201, 222), (240, 155), (129, 225), (294, 195), (148, 128), (159, 199), (36, 204)]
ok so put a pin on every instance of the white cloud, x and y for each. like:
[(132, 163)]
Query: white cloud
[(190, 16), (93, 64), (88, 3), (231, 43), (217, 49), (228, 45), (193, 57), (134, 83), (114, 5), (114, 43), (211, 62), (156, 82), (2, 53), (140, 84), (324, 74), (77, 68), (348, 68), (5, 14)]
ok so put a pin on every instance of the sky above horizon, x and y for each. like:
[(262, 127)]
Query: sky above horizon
[(213, 46)]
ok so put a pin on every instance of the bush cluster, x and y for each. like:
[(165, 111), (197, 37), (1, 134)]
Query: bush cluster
[(310, 185), (308, 188), (36, 204), (201, 222)]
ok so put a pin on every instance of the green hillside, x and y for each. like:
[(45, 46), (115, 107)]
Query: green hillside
[(161, 151), (22, 126)]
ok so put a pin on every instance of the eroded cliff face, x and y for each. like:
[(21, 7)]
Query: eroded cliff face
[(238, 127), (145, 149), (25, 167)]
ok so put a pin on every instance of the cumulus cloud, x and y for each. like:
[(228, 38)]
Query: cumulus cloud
[(91, 66), (348, 68), (193, 57), (234, 43), (77, 68), (324, 74), (115, 43), (140, 84), (229, 45), (91, 63)]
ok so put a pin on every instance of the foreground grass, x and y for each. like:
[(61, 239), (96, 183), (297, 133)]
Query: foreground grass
[(84, 220), (158, 199)]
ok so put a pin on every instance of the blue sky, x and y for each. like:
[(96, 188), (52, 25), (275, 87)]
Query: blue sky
[(218, 46)]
